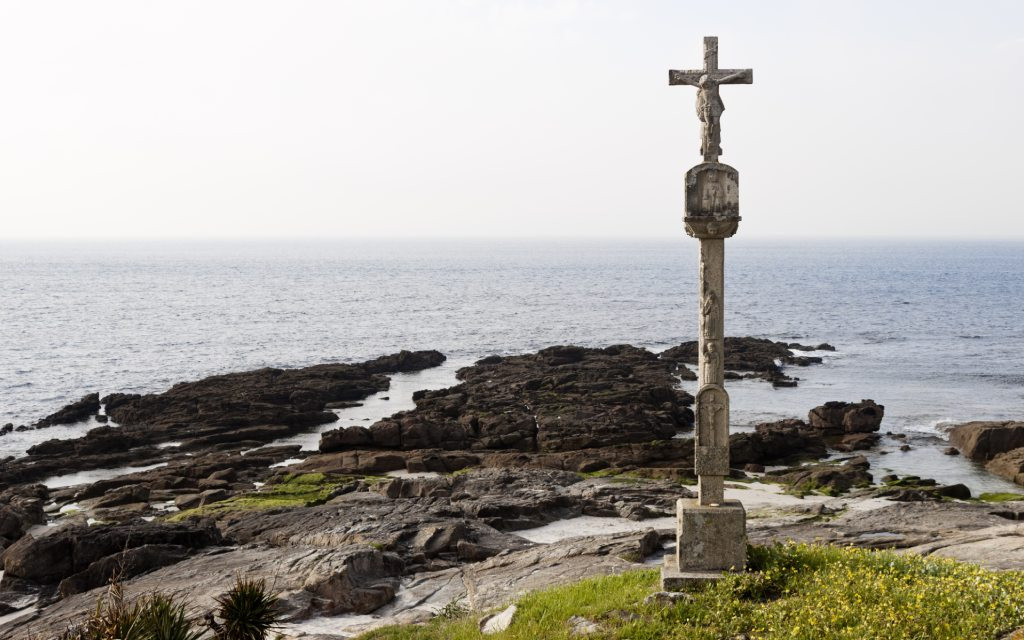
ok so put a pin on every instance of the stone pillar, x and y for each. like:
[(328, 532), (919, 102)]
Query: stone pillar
[(711, 454), (711, 531)]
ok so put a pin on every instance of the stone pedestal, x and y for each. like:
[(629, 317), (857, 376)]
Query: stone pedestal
[(710, 539)]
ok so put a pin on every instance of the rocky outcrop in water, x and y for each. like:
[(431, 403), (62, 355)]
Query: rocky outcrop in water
[(984, 440), (999, 444), (233, 411), (775, 442), (840, 418), (74, 412), (759, 357), (559, 399)]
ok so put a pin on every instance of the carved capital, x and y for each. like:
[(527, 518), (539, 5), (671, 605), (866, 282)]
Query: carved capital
[(711, 227)]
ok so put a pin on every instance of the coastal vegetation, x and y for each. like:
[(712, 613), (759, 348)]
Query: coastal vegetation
[(792, 591), (247, 611), (293, 490)]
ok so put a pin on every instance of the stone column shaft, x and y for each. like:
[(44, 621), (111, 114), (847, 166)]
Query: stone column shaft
[(711, 454)]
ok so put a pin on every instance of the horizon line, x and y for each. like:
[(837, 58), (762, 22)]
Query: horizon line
[(492, 237)]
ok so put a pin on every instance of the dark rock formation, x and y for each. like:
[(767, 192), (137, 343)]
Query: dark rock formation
[(774, 442), (236, 411), (75, 412), (126, 564), (837, 418), (64, 553), (559, 399), (759, 356), (835, 478), (290, 397)]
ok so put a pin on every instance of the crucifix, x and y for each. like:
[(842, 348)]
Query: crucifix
[(709, 101), (711, 530)]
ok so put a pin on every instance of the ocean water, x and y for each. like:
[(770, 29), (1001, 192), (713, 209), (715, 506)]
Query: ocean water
[(932, 330)]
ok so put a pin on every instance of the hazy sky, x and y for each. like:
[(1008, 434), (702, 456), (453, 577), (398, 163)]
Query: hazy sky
[(381, 118)]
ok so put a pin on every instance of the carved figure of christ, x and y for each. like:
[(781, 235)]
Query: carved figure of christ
[(709, 100)]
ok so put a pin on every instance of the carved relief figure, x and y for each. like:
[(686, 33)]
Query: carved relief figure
[(709, 310), (709, 110), (712, 196), (710, 364), (712, 420)]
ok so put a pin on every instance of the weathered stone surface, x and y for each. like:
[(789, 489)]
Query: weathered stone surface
[(1009, 465), (124, 565), (985, 440), (857, 442), (711, 537), (51, 558), (847, 417), (310, 581), (838, 478), (559, 399), (124, 495), (468, 507)]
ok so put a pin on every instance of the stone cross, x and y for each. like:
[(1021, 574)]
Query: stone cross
[(709, 101), (711, 531)]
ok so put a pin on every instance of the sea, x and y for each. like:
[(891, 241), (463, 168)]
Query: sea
[(932, 330)]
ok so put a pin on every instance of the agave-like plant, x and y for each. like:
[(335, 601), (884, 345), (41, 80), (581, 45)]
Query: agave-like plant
[(165, 619), (157, 617), (113, 617), (247, 612)]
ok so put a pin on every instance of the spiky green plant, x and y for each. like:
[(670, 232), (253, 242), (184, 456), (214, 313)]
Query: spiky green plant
[(113, 617), (247, 612), (165, 619)]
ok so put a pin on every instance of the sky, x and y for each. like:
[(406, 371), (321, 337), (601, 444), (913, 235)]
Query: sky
[(385, 118)]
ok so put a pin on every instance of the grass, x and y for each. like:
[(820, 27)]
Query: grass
[(799, 592), (631, 477), (294, 490), (1000, 497)]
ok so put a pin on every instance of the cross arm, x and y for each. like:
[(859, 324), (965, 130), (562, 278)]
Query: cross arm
[(689, 76), (734, 76)]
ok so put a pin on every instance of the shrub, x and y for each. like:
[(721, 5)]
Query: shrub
[(247, 612)]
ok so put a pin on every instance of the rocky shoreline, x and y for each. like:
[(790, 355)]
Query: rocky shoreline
[(401, 516)]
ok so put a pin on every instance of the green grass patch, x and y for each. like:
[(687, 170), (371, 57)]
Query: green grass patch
[(797, 592), (294, 490), (1000, 497)]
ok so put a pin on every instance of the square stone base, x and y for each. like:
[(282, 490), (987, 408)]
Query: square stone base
[(711, 538), (672, 579)]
